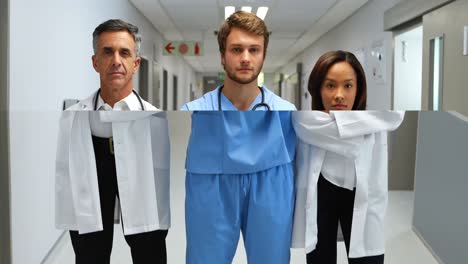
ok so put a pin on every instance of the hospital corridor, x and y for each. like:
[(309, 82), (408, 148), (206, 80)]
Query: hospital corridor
[(131, 87)]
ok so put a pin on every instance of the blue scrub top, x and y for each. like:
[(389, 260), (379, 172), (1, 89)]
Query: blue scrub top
[(239, 142), (209, 101)]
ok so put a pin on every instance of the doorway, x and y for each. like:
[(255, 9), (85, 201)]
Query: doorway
[(143, 80), (174, 92), (164, 95)]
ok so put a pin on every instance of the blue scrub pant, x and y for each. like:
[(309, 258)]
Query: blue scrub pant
[(220, 206)]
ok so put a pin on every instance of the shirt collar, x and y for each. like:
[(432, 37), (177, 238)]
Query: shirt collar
[(129, 103)]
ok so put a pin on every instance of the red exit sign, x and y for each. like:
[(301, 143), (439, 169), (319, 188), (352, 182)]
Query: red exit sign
[(183, 48)]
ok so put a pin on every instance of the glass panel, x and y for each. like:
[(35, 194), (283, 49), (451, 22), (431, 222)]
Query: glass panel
[(436, 73)]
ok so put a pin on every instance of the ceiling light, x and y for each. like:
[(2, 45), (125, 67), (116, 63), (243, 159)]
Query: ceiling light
[(229, 10), (262, 12), (247, 9)]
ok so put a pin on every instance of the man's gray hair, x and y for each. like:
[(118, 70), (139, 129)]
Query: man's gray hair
[(115, 25)]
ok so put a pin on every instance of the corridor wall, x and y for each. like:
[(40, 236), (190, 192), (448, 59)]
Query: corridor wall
[(50, 60), (440, 214)]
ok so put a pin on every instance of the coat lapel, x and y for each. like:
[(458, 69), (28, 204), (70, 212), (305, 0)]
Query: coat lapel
[(83, 175)]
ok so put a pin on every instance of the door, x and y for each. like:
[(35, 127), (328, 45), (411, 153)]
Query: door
[(174, 93), (164, 95), (143, 80)]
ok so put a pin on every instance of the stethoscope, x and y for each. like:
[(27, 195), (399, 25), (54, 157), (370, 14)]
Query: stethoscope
[(137, 95), (261, 104)]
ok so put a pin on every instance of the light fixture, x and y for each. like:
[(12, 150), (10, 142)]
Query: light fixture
[(262, 12), (229, 10), (247, 9)]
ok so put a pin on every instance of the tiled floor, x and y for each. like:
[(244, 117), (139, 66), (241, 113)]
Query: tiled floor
[(403, 246)]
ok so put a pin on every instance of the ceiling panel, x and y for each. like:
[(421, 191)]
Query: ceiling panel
[(296, 15), (295, 24), (196, 16)]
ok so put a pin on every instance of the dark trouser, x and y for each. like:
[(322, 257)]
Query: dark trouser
[(335, 204), (96, 247)]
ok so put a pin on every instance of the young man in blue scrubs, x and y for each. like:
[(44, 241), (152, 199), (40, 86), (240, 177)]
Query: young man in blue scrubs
[(239, 164), (243, 40)]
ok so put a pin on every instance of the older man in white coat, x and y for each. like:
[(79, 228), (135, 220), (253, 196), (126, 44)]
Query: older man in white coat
[(111, 164)]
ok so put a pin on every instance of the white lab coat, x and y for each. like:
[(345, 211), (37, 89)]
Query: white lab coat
[(362, 136), (141, 145)]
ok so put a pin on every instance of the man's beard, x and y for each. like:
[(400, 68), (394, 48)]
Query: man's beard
[(232, 75)]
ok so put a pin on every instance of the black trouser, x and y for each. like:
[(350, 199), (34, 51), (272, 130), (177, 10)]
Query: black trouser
[(335, 204), (96, 247)]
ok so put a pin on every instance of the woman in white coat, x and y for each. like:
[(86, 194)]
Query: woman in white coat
[(341, 165)]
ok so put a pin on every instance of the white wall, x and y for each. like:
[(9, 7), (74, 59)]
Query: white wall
[(358, 32), (440, 196), (447, 21), (50, 59), (185, 76), (269, 82), (408, 70)]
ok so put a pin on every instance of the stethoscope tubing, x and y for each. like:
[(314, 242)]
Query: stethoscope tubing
[(261, 104)]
